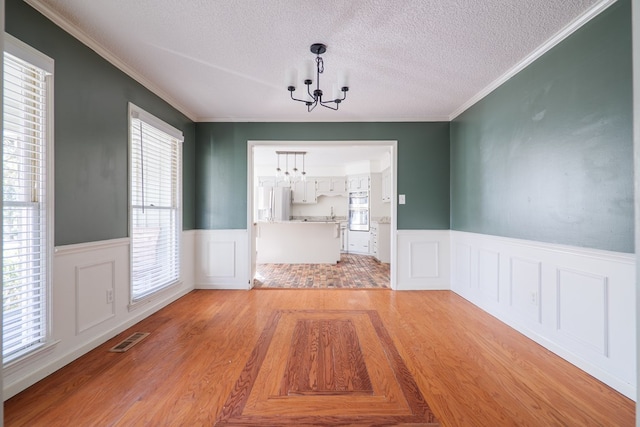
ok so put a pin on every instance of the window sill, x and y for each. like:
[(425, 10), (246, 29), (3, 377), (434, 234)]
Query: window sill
[(156, 295), (29, 358)]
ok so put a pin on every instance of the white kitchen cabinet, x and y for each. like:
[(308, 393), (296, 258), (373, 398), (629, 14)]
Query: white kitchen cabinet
[(386, 185), (358, 182), (267, 181), (380, 237), (331, 186), (270, 181), (359, 242), (304, 192)]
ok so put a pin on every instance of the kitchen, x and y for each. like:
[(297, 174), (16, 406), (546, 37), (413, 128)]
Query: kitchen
[(322, 205)]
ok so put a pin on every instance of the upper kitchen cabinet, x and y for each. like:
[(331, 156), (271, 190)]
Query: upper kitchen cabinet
[(386, 185), (267, 181), (358, 182), (270, 181), (304, 192), (331, 186)]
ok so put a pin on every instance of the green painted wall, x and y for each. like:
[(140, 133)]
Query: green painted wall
[(221, 165), (91, 132), (548, 155)]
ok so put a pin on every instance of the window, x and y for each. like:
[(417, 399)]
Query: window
[(155, 221), (27, 198)]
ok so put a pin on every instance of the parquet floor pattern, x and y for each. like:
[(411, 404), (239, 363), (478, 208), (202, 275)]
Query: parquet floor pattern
[(352, 272), (207, 361)]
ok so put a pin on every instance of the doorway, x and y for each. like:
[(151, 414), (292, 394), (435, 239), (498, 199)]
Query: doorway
[(341, 160)]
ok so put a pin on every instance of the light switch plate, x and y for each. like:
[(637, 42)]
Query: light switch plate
[(401, 199)]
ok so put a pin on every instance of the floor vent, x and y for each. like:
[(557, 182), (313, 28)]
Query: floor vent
[(129, 342)]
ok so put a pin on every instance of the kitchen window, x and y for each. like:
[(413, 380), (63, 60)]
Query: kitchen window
[(155, 211), (27, 193)]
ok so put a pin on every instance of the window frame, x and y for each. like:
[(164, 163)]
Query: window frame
[(26, 53), (135, 112)]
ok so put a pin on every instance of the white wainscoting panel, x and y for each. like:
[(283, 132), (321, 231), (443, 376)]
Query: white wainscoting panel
[(586, 324), (525, 286), (90, 304), (95, 290), (489, 274), (423, 260), (222, 259), (577, 302)]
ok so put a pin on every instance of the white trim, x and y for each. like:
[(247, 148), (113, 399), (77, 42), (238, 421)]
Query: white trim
[(90, 246), (619, 257), (635, 43), (338, 119), (27, 359), (70, 344), (83, 37), (160, 293), (27, 53), (2, 43), (141, 114), (393, 146), (87, 40), (598, 300), (41, 372), (572, 27)]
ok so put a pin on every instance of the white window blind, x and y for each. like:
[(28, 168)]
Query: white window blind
[(25, 199), (155, 204)]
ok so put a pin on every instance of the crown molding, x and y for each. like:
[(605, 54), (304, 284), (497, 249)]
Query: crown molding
[(90, 42), (84, 38), (587, 16), (322, 120)]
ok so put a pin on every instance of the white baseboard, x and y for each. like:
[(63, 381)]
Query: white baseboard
[(577, 302)]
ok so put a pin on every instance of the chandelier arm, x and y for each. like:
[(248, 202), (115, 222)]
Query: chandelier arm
[(296, 99), (326, 104), (334, 101), (315, 98)]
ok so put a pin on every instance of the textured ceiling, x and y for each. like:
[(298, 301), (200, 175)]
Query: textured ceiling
[(225, 60)]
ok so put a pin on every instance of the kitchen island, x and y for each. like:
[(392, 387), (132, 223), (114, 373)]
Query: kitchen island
[(298, 242)]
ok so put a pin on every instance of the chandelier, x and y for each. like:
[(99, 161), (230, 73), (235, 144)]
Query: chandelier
[(312, 99), (295, 175)]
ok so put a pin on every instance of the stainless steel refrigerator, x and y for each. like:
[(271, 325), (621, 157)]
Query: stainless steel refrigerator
[(274, 203)]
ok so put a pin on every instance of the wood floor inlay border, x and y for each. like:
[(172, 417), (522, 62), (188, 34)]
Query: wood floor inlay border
[(377, 388)]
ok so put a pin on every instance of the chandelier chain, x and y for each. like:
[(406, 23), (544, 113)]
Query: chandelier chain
[(320, 64)]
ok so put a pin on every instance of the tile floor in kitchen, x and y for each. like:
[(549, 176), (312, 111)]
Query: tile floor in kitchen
[(352, 272)]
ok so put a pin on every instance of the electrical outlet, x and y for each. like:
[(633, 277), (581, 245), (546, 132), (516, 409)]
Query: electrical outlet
[(109, 296), (534, 298)]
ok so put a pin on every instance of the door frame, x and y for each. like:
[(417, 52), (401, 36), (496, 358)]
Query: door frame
[(251, 229)]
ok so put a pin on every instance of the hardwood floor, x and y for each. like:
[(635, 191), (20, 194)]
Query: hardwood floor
[(297, 357)]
